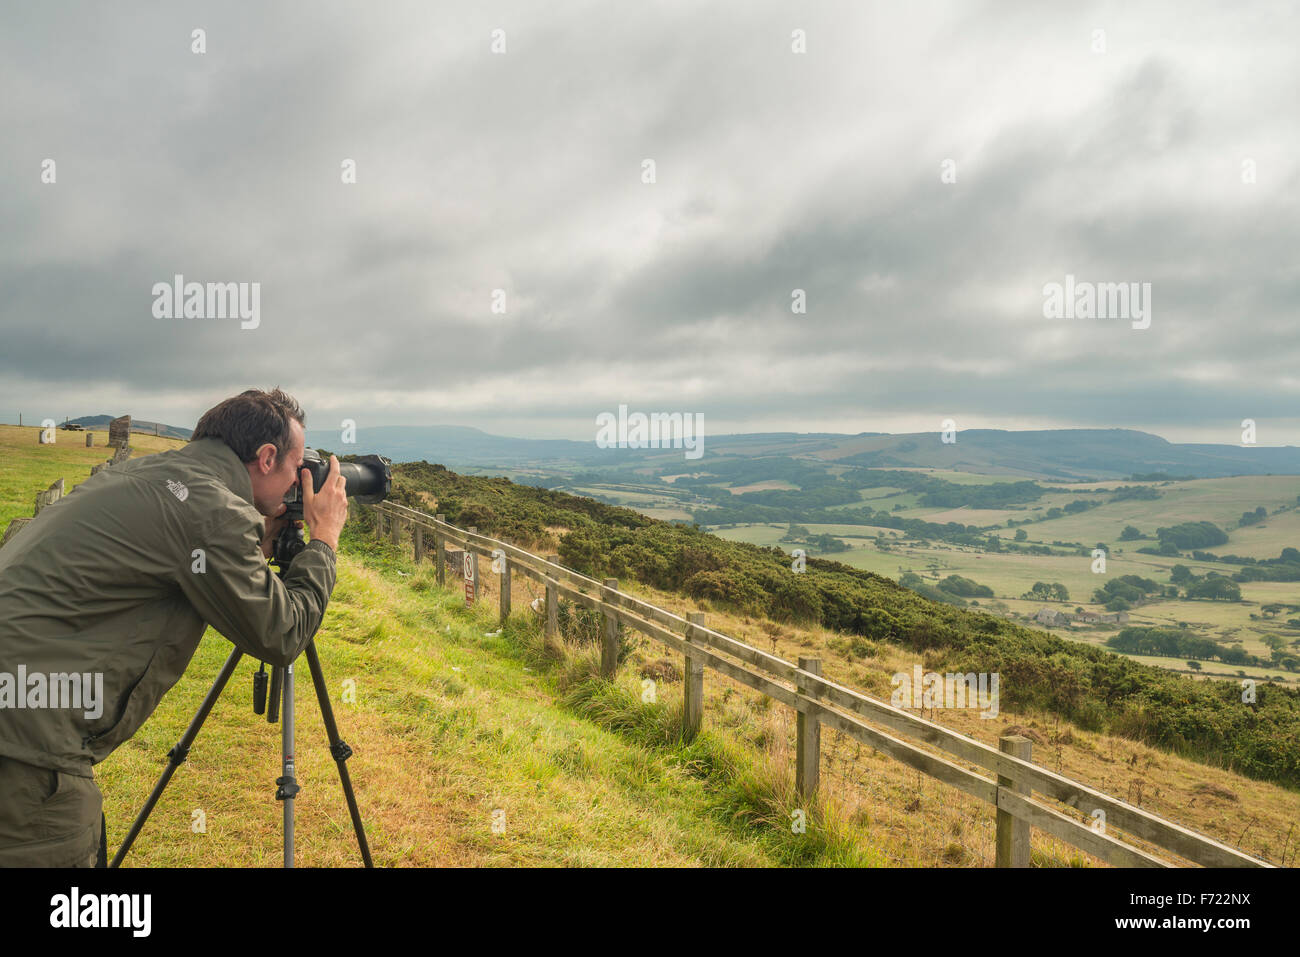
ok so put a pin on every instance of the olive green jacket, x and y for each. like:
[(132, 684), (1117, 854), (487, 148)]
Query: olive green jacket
[(119, 577)]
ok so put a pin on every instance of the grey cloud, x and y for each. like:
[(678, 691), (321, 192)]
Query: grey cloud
[(775, 172)]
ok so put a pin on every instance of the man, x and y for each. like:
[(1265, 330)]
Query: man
[(105, 595)]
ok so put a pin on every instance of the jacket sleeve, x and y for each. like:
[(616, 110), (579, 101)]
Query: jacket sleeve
[(237, 593)]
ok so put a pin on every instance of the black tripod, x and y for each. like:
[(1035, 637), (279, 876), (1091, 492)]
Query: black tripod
[(287, 546)]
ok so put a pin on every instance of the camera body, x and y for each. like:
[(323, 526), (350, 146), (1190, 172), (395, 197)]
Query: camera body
[(369, 479)]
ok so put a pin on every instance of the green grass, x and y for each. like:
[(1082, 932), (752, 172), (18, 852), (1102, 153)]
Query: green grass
[(27, 467), (1219, 500), (457, 725), (957, 477), (454, 719)]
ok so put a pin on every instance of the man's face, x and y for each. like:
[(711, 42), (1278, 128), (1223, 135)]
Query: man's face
[(271, 479)]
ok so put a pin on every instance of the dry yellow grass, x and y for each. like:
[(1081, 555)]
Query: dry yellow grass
[(921, 822)]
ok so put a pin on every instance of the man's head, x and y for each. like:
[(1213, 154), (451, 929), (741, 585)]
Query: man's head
[(265, 429)]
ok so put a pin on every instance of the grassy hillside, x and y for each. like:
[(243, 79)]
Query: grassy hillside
[(27, 467), (455, 718), (1097, 690), (908, 818)]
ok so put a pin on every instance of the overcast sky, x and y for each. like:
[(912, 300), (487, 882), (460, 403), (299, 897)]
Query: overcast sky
[(774, 171)]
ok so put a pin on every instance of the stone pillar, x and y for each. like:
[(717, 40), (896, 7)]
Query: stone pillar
[(119, 431)]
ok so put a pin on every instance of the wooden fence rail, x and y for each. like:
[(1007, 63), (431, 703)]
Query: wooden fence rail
[(819, 702)]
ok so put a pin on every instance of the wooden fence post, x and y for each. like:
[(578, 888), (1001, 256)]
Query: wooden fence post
[(505, 589), (48, 497), (609, 646), (1013, 833), (440, 551), (693, 676), (396, 530), (379, 525), (15, 526), (552, 608), (808, 738), (473, 562), (417, 542)]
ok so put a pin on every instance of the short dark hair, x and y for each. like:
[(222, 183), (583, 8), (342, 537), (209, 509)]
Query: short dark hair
[(250, 420)]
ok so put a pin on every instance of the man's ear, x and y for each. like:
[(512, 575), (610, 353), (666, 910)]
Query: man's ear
[(266, 458)]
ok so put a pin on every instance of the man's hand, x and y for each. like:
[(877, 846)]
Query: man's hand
[(274, 523), (326, 510)]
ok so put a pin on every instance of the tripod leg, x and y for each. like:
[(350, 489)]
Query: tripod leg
[(177, 755), (338, 748), (288, 785)]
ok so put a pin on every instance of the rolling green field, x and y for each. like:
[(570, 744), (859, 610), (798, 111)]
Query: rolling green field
[(889, 552), (1011, 575), (27, 466), (960, 478), (1221, 501), (1216, 500)]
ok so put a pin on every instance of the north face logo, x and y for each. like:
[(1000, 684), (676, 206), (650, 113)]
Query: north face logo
[(177, 489)]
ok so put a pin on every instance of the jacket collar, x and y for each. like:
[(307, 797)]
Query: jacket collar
[(219, 458)]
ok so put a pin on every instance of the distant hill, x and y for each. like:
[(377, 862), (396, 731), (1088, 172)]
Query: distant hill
[(1062, 454), (137, 425), (462, 445), (1067, 454)]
